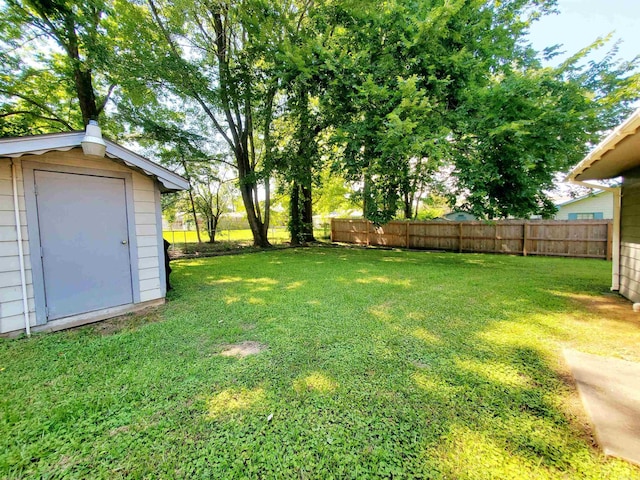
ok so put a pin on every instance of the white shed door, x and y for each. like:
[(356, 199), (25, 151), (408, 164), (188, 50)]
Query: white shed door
[(85, 242)]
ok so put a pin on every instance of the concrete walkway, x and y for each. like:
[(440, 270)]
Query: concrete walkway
[(610, 392)]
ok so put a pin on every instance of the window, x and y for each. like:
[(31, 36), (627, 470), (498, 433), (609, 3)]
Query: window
[(586, 216)]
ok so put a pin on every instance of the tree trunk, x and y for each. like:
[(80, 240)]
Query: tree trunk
[(295, 227), (257, 227), (82, 77), (86, 95), (267, 208), (408, 206), (212, 227), (366, 192), (307, 214), (193, 212), (210, 230), (193, 203)]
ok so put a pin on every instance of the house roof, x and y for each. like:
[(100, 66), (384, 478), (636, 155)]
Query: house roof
[(583, 197), (616, 154), (40, 144)]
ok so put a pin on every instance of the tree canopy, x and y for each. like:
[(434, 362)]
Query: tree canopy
[(401, 102)]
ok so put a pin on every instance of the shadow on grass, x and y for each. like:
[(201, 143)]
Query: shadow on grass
[(379, 364)]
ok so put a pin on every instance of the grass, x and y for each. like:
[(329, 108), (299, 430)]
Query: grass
[(378, 364), (276, 235)]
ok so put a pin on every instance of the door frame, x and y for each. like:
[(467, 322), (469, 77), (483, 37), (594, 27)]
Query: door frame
[(33, 227)]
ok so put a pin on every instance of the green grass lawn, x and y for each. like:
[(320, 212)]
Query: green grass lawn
[(378, 364), (276, 235)]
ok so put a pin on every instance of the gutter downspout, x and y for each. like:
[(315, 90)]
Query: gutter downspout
[(615, 250), (23, 277)]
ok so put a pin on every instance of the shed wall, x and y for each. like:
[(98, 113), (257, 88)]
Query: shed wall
[(630, 236), (11, 309), (598, 203), (147, 233)]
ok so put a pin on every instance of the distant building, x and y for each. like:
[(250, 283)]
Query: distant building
[(595, 206), (618, 155)]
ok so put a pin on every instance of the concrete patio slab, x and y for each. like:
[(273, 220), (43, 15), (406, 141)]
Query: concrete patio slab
[(610, 391)]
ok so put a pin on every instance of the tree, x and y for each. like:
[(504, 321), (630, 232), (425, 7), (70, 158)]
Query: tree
[(297, 157), (398, 79), (212, 195), (54, 69), (221, 58), (530, 123)]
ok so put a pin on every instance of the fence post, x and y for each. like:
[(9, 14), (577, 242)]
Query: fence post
[(609, 240), (460, 237), (408, 224), (525, 230), (331, 230), (367, 231)]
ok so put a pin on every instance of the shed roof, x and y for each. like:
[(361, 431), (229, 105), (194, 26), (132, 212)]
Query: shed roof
[(40, 144), (616, 154)]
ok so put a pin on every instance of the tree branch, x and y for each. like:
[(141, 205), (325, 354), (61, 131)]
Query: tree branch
[(39, 105), (194, 93), (33, 114), (106, 98)]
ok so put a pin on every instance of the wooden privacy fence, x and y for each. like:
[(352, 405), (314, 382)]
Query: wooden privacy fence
[(585, 238)]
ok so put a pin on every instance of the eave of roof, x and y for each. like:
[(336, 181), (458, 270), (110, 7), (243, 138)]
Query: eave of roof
[(616, 154), (40, 144)]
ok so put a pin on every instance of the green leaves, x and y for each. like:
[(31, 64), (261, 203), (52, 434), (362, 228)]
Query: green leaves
[(55, 70), (528, 124)]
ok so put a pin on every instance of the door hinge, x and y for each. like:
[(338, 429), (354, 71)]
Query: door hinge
[(41, 253), (35, 189), (46, 312)]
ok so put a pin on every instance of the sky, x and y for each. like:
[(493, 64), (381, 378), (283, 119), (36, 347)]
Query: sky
[(580, 22)]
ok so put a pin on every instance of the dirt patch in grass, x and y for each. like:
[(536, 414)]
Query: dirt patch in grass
[(609, 306), (242, 349), (131, 321)]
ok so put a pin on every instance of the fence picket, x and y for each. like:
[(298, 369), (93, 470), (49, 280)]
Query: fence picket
[(588, 238)]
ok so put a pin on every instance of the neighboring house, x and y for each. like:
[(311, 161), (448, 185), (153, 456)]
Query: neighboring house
[(460, 216), (595, 206), (619, 155), (80, 233)]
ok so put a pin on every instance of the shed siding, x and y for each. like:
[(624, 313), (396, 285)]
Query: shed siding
[(146, 233), (598, 203), (630, 237), (11, 307)]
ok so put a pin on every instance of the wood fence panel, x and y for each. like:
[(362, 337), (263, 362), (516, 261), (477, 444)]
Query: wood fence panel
[(389, 235), (510, 238), (588, 238)]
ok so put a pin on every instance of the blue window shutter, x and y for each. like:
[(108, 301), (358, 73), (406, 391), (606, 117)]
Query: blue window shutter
[(597, 215), (573, 216)]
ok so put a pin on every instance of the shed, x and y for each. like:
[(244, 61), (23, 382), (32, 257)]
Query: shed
[(80, 234), (595, 206), (618, 155)]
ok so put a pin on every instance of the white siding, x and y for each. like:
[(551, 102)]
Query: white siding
[(145, 225), (602, 202), (630, 271), (11, 307), (147, 233)]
